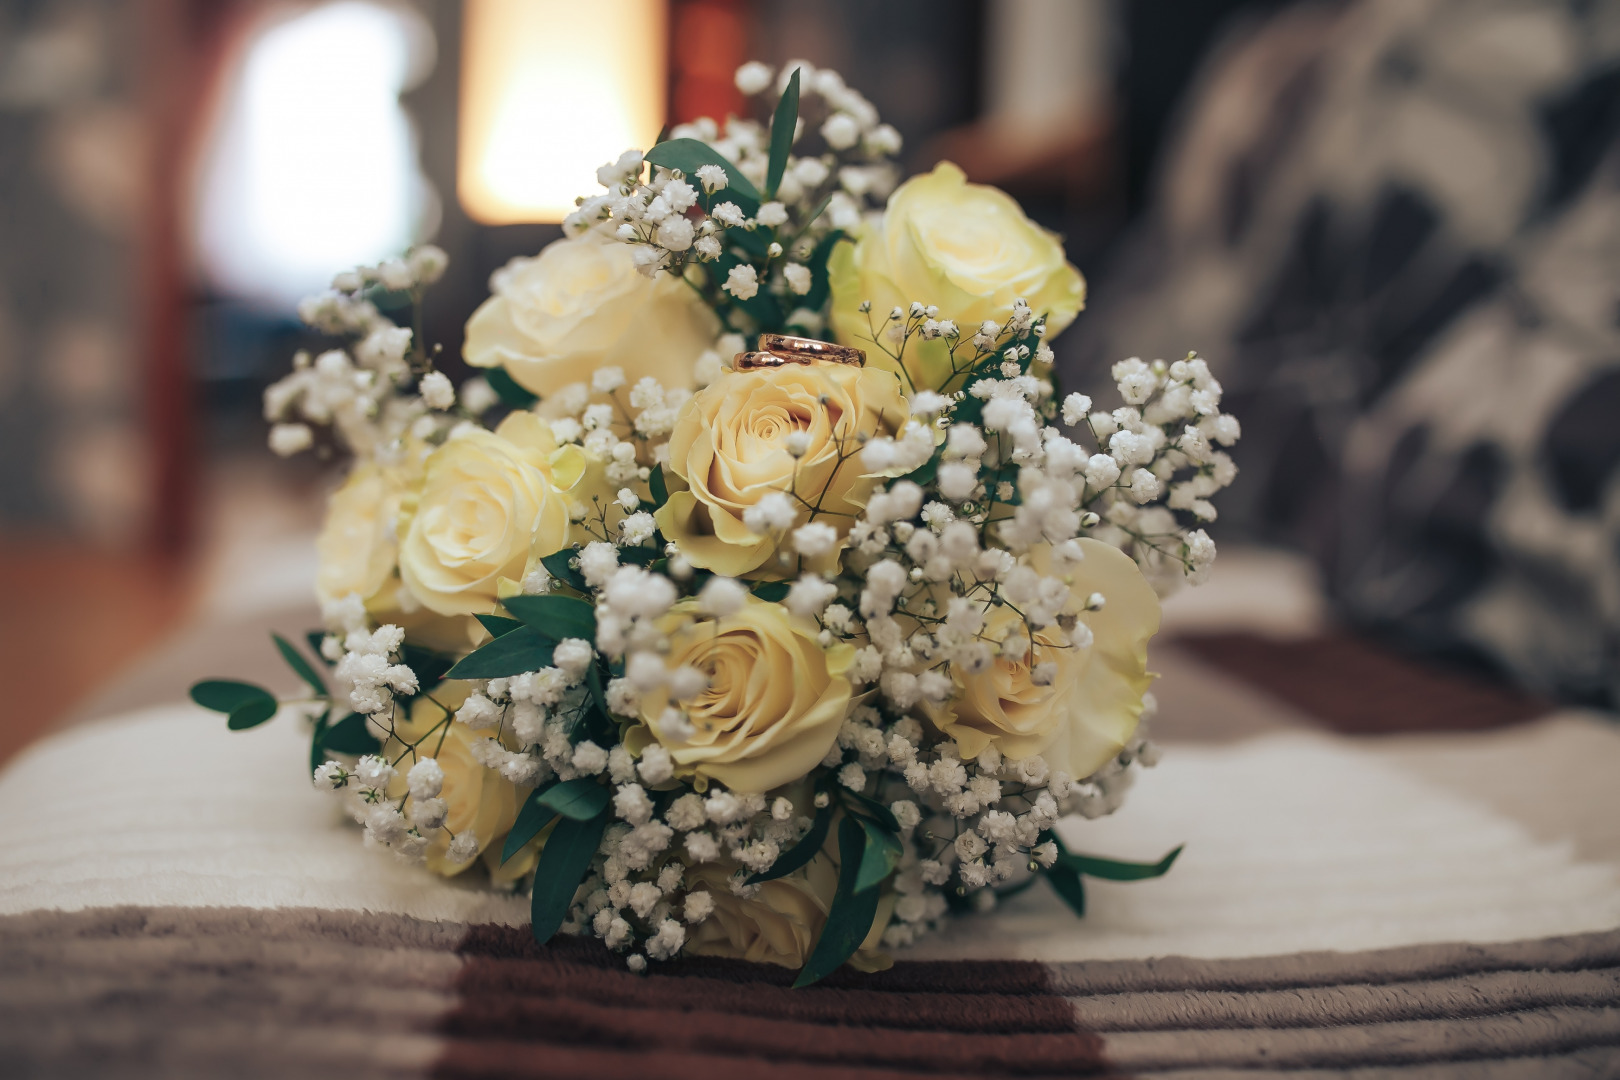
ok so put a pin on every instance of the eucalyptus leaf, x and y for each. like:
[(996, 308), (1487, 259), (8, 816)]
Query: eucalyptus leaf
[(430, 667), (852, 913), (865, 805), (690, 155), (317, 753), (498, 625), (556, 565), (1116, 869), (783, 124), (640, 556), (506, 388), (808, 847), (1067, 884), (228, 695), (656, 485), (251, 715), (557, 617), (580, 799), (524, 649), (881, 857), (564, 861), (773, 591), (300, 666), (531, 818), (350, 736)]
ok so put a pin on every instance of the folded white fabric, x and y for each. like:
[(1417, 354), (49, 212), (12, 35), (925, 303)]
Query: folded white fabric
[(1295, 841)]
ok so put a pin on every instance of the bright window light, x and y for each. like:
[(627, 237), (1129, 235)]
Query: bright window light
[(313, 164), (551, 89)]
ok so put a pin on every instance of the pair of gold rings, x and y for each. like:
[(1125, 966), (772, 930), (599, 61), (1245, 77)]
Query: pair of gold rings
[(779, 350)]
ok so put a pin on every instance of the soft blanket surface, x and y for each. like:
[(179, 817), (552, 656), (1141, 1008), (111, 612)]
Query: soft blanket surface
[(178, 902)]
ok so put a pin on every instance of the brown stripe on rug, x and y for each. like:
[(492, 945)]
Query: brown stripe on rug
[(525, 1011), (1357, 687)]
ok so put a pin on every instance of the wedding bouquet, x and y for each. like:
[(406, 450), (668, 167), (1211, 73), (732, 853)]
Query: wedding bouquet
[(720, 636)]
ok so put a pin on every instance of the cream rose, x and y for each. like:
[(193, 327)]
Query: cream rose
[(730, 449), (966, 248), (358, 546), (774, 703), (491, 502), (781, 922), (581, 305), (479, 799), (1090, 709)]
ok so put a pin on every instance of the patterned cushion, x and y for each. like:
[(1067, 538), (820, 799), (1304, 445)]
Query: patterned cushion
[(1394, 228)]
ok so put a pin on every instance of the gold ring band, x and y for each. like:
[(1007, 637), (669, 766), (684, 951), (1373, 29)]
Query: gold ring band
[(777, 350)]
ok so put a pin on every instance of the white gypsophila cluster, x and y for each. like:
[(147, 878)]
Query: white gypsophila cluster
[(677, 221), (636, 894), (381, 387), (1164, 443), (403, 821), (1155, 454)]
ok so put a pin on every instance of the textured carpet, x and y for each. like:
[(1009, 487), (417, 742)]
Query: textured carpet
[(1432, 905), (213, 991)]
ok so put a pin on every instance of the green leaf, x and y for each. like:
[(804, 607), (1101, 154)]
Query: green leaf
[(556, 565), (315, 637), (564, 861), (506, 388), (1066, 883), (850, 919), (762, 307), (498, 625), (317, 753), (656, 485), (251, 715), (350, 736), (300, 666), (430, 666), (820, 285), (525, 649), (556, 617), (881, 857), (228, 695), (640, 556), (533, 817), (593, 680), (690, 155), (774, 591), (580, 799), (1117, 870), (870, 806), (808, 847), (782, 127)]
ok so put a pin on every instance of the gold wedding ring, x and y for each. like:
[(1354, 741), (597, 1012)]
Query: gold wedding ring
[(777, 350)]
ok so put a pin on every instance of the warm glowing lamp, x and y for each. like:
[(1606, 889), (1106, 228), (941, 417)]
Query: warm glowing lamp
[(551, 89)]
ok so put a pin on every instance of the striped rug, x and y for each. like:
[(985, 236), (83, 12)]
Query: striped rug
[(248, 993)]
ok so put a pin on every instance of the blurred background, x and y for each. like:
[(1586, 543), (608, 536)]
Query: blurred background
[(1393, 226)]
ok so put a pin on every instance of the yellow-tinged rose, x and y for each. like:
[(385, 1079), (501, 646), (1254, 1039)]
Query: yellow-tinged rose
[(730, 449), (1090, 709), (479, 799), (358, 545), (966, 248), (781, 922), (581, 305), (491, 502), (358, 549), (774, 703)]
